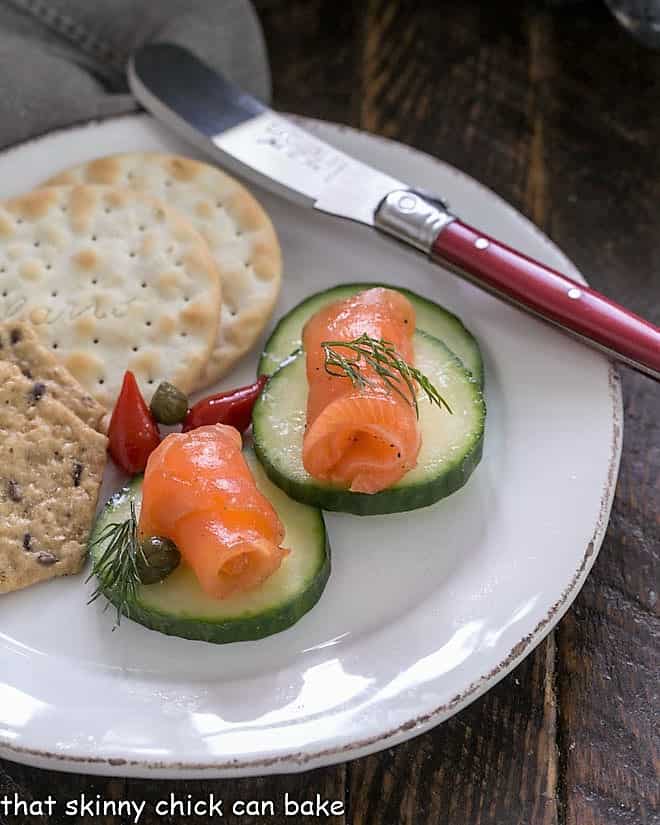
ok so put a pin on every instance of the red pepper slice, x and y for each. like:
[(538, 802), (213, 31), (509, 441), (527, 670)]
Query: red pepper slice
[(133, 434), (233, 408)]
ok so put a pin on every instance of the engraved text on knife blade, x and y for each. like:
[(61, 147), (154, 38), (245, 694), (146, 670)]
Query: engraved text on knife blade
[(298, 161)]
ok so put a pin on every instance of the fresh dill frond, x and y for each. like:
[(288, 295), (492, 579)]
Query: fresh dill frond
[(347, 359), (116, 568)]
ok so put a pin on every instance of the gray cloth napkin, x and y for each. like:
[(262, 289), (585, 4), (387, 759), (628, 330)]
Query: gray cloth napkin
[(63, 61)]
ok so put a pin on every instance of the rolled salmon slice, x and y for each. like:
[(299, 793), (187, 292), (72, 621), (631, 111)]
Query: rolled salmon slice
[(364, 438), (199, 492)]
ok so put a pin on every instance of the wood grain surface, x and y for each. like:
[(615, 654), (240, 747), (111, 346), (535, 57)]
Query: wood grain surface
[(558, 111)]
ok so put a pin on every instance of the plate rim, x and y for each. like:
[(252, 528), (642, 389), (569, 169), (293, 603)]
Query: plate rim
[(306, 760)]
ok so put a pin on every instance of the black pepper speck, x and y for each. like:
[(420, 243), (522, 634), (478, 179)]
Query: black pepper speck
[(37, 392), (27, 542), (14, 490), (15, 336), (77, 473)]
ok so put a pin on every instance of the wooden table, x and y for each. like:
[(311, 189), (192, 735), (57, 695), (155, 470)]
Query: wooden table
[(558, 111)]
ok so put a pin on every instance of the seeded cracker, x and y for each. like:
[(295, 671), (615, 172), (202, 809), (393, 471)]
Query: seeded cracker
[(111, 280), (51, 466), (20, 346), (236, 228)]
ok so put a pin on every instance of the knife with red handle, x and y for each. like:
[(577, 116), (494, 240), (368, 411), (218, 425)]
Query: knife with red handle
[(274, 152), (551, 295)]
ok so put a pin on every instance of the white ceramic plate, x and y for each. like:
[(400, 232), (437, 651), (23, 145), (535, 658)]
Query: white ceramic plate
[(423, 612)]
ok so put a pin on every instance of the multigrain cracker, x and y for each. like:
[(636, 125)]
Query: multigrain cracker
[(20, 346), (237, 230), (51, 466), (112, 280)]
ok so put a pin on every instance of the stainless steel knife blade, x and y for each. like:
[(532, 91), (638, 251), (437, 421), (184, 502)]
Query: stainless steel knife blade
[(250, 139)]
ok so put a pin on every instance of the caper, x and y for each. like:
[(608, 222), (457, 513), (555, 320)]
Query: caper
[(158, 557), (169, 405)]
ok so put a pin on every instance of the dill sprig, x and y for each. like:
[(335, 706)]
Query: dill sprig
[(397, 374), (117, 567)]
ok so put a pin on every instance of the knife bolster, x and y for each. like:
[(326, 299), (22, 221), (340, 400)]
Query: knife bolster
[(411, 218)]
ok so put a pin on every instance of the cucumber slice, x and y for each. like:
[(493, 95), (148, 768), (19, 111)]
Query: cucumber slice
[(451, 444), (432, 318), (178, 606)]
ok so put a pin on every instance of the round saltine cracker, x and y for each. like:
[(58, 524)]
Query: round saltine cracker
[(112, 280), (238, 231)]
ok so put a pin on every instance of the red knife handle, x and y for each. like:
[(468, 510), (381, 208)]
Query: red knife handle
[(572, 305)]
